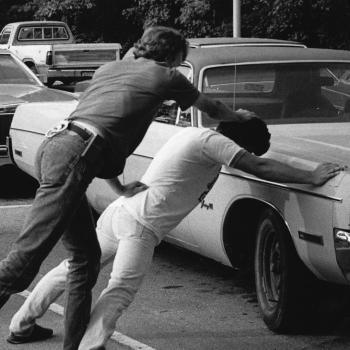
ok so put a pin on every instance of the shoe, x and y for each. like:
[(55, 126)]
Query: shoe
[(38, 333)]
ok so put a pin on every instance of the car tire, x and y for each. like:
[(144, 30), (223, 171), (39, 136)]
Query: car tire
[(291, 298), (279, 275)]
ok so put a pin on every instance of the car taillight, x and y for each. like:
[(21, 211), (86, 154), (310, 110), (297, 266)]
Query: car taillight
[(342, 249), (49, 58)]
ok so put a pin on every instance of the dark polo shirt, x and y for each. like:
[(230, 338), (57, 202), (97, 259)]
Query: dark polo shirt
[(123, 98)]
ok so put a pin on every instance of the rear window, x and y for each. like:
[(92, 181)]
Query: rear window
[(283, 93), (43, 33), (11, 72)]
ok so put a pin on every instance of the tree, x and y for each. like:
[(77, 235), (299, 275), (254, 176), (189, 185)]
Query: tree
[(318, 23)]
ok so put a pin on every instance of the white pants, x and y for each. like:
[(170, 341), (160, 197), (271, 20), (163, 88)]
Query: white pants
[(119, 235)]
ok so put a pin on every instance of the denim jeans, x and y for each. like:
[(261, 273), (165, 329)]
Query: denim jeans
[(132, 245), (60, 209)]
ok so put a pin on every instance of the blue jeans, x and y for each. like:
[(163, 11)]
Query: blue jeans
[(60, 209)]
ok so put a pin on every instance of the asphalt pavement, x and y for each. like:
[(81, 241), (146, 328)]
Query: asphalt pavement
[(185, 303)]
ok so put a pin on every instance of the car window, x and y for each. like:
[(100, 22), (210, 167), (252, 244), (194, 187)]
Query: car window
[(11, 72), (5, 35), (60, 33), (282, 93), (170, 112), (43, 33)]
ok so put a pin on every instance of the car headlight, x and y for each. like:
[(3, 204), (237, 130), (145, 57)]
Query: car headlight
[(342, 250), (341, 238)]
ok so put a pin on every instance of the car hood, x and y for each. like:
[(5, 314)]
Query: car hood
[(19, 93), (307, 145)]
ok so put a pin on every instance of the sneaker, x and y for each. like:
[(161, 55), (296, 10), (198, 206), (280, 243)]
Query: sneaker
[(38, 333)]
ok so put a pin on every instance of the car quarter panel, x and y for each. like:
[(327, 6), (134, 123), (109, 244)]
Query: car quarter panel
[(295, 208), (29, 125)]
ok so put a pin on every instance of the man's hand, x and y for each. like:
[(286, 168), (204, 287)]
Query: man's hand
[(324, 172), (245, 115), (133, 188)]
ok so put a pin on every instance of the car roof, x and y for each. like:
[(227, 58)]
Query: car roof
[(205, 56), (231, 41), (37, 23)]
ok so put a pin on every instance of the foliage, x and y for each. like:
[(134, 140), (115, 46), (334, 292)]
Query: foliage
[(322, 23)]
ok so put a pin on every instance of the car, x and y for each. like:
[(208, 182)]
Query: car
[(295, 237), (18, 84)]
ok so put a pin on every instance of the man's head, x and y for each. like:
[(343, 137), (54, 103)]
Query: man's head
[(162, 44), (252, 135)]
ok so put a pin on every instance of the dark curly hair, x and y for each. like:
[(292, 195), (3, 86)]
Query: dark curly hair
[(252, 135), (161, 44)]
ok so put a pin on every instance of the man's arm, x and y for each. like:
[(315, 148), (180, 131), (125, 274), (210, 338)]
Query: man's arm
[(127, 190), (219, 111), (273, 170)]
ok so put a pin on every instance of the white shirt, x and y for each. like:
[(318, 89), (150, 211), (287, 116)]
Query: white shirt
[(179, 177)]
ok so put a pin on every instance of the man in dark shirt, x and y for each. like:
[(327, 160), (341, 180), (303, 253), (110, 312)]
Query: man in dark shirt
[(109, 122)]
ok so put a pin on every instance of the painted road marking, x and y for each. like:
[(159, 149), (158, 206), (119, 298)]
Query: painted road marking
[(120, 338), (15, 206)]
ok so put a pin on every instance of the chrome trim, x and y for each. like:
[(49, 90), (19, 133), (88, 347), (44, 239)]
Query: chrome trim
[(284, 187), (236, 200), (269, 183), (29, 131), (187, 64), (342, 235), (201, 46)]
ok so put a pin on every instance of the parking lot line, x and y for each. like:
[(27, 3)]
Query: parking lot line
[(15, 206), (120, 338)]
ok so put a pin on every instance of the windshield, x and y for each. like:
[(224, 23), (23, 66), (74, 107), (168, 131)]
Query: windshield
[(11, 72), (283, 93)]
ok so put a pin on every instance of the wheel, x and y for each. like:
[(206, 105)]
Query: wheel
[(281, 279)]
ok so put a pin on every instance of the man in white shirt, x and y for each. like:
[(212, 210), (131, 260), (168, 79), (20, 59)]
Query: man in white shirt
[(178, 178)]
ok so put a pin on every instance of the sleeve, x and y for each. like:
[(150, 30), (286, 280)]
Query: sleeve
[(220, 149), (181, 90)]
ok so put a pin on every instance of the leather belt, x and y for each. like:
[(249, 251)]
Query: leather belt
[(85, 134)]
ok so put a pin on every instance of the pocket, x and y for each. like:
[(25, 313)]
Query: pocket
[(58, 160)]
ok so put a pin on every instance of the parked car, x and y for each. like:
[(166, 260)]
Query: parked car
[(49, 49), (295, 236), (19, 85)]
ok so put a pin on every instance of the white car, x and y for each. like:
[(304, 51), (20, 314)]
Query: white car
[(18, 84), (296, 235)]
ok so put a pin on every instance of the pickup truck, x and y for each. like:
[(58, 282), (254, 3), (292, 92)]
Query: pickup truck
[(48, 48)]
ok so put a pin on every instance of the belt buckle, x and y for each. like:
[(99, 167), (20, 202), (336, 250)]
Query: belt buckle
[(63, 125)]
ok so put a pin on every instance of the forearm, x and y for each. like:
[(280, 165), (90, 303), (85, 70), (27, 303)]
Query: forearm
[(219, 111), (116, 185), (127, 190), (273, 170)]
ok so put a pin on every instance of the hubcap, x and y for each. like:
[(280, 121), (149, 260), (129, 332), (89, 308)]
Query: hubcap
[(271, 268)]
